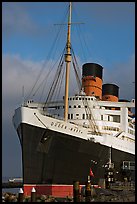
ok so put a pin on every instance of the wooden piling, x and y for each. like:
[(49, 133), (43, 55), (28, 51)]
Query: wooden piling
[(33, 195), (76, 191), (21, 195), (88, 192)]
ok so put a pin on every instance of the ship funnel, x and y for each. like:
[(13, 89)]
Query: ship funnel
[(92, 79), (110, 92)]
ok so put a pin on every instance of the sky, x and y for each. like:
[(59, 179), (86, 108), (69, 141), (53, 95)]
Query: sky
[(104, 34)]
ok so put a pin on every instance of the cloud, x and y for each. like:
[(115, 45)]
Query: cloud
[(16, 19), (123, 75), (16, 74)]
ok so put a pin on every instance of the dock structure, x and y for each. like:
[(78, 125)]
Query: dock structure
[(12, 184)]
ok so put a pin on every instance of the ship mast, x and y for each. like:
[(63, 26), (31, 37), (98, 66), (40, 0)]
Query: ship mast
[(67, 60)]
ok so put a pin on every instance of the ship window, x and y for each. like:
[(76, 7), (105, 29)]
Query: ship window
[(83, 116), (88, 98), (74, 106), (71, 116), (69, 106), (85, 98), (85, 106), (79, 106), (77, 114), (76, 98), (79, 98), (126, 165), (70, 99), (68, 116), (116, 118), (101, 117)]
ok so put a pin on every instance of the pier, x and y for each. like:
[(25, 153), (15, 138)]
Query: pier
[(12, 184)]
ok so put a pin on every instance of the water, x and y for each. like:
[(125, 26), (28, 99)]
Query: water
[(10, 190)]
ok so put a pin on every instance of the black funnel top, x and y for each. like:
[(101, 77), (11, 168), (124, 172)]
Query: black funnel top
[(92, 69), (110, 89)]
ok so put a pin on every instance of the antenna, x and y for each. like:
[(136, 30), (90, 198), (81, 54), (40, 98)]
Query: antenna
[(110, 159), (22, 95)]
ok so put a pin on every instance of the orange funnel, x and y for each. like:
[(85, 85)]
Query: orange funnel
[(92, 79)]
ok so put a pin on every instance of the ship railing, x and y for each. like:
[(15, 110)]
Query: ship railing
[(122, 186)]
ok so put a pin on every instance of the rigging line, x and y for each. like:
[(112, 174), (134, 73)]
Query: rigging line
[(81, 43), (84, 41), (42, 68), (52, 89), (58, 77), (79, 27), (88, 111), (53, 84), (77, 77), (76, 62), (78, 69), (87, 108), (59, 38), (45, 80), (60, 83), (79, 35), (91, 120), (45, 62)]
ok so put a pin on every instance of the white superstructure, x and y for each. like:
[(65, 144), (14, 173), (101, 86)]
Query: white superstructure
[(114, 126)]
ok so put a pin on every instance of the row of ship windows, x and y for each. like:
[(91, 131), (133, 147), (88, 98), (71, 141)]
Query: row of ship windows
[(79, 106), (89, 117), (77, 98), (110, 128), (84, 116), (132, 132)]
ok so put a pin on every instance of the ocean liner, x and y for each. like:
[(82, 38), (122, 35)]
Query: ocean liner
[(62, 140)]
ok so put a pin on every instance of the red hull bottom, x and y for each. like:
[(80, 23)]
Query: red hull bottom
[(58, 191), (53, 190)]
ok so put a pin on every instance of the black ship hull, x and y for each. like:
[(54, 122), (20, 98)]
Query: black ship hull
[(55, 158)]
